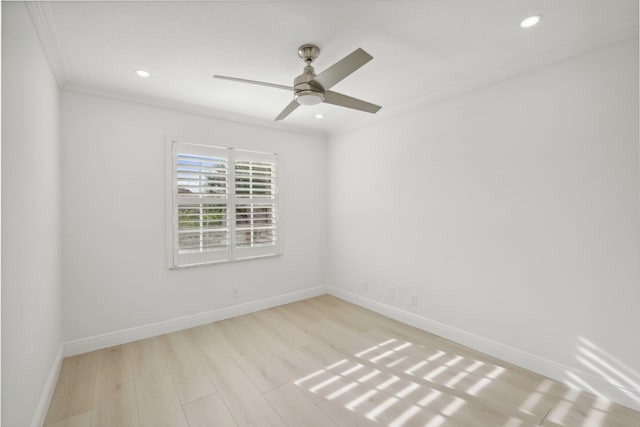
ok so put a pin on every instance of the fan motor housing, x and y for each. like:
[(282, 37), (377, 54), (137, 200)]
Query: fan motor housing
[(305, 87)]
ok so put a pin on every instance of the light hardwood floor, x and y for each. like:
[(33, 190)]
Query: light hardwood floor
[(319, 362)]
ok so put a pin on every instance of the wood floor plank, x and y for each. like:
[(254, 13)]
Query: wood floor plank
[(295, 408), (189, 375), (321, 329), (73, 394), (288, 334), (147, 356), (210, 411), (343, 317), (260, 337), (158, 402), (80, 420), (114, 402), (285, 362), (247, 405), (263, 369), (304, 310)]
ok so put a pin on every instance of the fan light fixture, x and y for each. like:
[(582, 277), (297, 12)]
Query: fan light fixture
[(309, 97)]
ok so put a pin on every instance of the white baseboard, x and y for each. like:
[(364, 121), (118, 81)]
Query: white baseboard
[(546, 367), (85, 345), (47, 390)]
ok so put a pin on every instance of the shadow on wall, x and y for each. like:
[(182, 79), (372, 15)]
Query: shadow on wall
[(400, 383), (601, 364)]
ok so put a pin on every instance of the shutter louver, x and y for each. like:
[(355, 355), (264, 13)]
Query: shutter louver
[(202, 176), (256, 216), (201, 194)]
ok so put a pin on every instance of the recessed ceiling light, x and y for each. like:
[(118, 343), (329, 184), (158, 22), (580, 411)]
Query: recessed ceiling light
[(319, 116), (530, 21), (144, 74)]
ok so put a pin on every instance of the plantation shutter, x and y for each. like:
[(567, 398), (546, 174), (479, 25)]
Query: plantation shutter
[(223, 204), (201, 204), (255, 202)]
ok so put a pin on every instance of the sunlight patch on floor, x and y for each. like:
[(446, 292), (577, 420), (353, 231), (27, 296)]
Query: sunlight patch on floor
[(352, 370), (536, 397), (381, 408), (430, 398), (324, 383), (408, 390), (397, 361), (342, 391), (358, 400), (308, 377), (340, 362), (455, 380), (453, 406), (479, 385), (436, 421), (385, 396), (405, 416), (437, 371), (369, 376), (595, 418), (388, 382), (415, 367)]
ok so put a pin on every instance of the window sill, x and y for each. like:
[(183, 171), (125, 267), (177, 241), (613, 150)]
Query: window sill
[(226, 261)]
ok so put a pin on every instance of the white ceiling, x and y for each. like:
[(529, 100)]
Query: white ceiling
[(423, 50)]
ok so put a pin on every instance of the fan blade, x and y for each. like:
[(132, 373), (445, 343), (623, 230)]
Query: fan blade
[(287, 110), (336, 98), (253, 82), (342, 68)]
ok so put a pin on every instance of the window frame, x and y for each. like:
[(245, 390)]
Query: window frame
[(174, 260)]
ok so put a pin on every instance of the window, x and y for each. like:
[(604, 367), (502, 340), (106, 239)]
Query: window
[(224, 204)]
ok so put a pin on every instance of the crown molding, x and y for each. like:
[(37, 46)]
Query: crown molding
[(184, 107), (45, 27)]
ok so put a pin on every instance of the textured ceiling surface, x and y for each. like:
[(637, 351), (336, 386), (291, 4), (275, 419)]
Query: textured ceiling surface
[(423, 50)]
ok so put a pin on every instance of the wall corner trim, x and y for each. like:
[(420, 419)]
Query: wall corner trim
[(97, 342), (45, 27), (537, 364), (48, 389)]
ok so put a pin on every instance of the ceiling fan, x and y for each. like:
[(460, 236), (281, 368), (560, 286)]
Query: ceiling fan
[(310, 88)]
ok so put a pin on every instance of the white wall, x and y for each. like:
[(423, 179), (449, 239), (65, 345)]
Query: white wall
[(31, 276), (511, 211), (114, 217)]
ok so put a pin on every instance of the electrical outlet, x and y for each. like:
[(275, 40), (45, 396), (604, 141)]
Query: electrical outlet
[(365, 286), (414, 299), (392, 292), (235, 293)]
